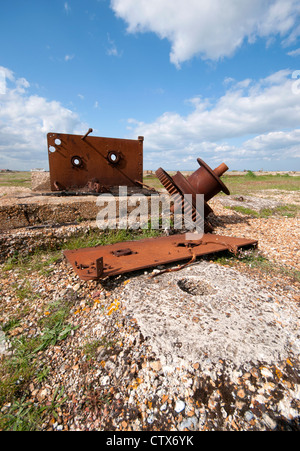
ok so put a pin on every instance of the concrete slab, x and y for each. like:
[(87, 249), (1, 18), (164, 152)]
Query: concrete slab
[(225, 315), (26, 208)]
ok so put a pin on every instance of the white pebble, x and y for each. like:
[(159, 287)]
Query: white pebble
[(180, 406)]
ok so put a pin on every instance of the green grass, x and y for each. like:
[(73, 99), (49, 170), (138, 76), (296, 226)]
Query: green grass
[(91, 349), (43, 260), (20, 179), (289, 211), (249, 182), (99, 238), (152, 180), (256, 261), (40, 261), (24, 416), (23, 365), (250, 175)]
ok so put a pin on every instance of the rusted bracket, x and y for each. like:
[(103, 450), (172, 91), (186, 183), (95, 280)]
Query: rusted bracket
[(119, 258), (93, 270)]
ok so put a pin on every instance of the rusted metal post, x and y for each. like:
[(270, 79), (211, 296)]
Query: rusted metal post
[(90, 130)]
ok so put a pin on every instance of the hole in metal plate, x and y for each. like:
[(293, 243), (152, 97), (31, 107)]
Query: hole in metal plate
[(77, 162), (113, 157)]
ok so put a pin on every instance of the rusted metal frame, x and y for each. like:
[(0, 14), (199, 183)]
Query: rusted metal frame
[(93, 163)]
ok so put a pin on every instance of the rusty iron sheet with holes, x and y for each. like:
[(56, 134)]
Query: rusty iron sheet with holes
[(119, 258), (76, 161)]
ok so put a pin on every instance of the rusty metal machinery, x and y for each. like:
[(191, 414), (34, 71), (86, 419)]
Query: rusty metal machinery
[(207, 181), (119, 258), (93, 163), (203, 181)]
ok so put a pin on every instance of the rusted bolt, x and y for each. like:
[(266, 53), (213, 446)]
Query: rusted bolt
[(90, 130)]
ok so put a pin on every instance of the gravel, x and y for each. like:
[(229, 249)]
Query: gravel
[(210, 347)]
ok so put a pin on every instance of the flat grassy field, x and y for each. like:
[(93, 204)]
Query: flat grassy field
[(20, 179), (244, 184), (248, 183), (237, 184)]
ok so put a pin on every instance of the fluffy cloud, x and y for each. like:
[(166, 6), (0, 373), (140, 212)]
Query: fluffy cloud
[(252, 121), (25, 121), (213, 29), (294, 52)]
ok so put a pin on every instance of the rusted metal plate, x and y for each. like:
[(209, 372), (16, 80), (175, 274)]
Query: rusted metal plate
[(95, 163), (119, 258)]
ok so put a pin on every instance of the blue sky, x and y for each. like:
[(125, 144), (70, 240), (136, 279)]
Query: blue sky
[(218, 80)]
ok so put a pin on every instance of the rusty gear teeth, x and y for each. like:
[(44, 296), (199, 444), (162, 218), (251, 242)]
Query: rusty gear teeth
[(174, 191), (204, 181)]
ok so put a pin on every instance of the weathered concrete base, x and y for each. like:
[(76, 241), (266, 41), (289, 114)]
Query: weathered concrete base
[(36, 209), (207, 311), (47, 211)]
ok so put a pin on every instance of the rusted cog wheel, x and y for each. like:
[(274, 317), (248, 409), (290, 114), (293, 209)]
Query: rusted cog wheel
[(178, 196)]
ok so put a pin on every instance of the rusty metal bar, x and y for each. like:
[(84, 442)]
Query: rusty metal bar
[(90, 130)]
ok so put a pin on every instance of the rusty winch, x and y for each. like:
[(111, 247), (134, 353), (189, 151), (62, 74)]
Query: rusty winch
[(204, 181)]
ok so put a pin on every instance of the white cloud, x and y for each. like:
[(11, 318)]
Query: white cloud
[(67, 8), (69, 57), (25, 120), (251, 121), (294, 52), (112, 49), (212, 29)]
